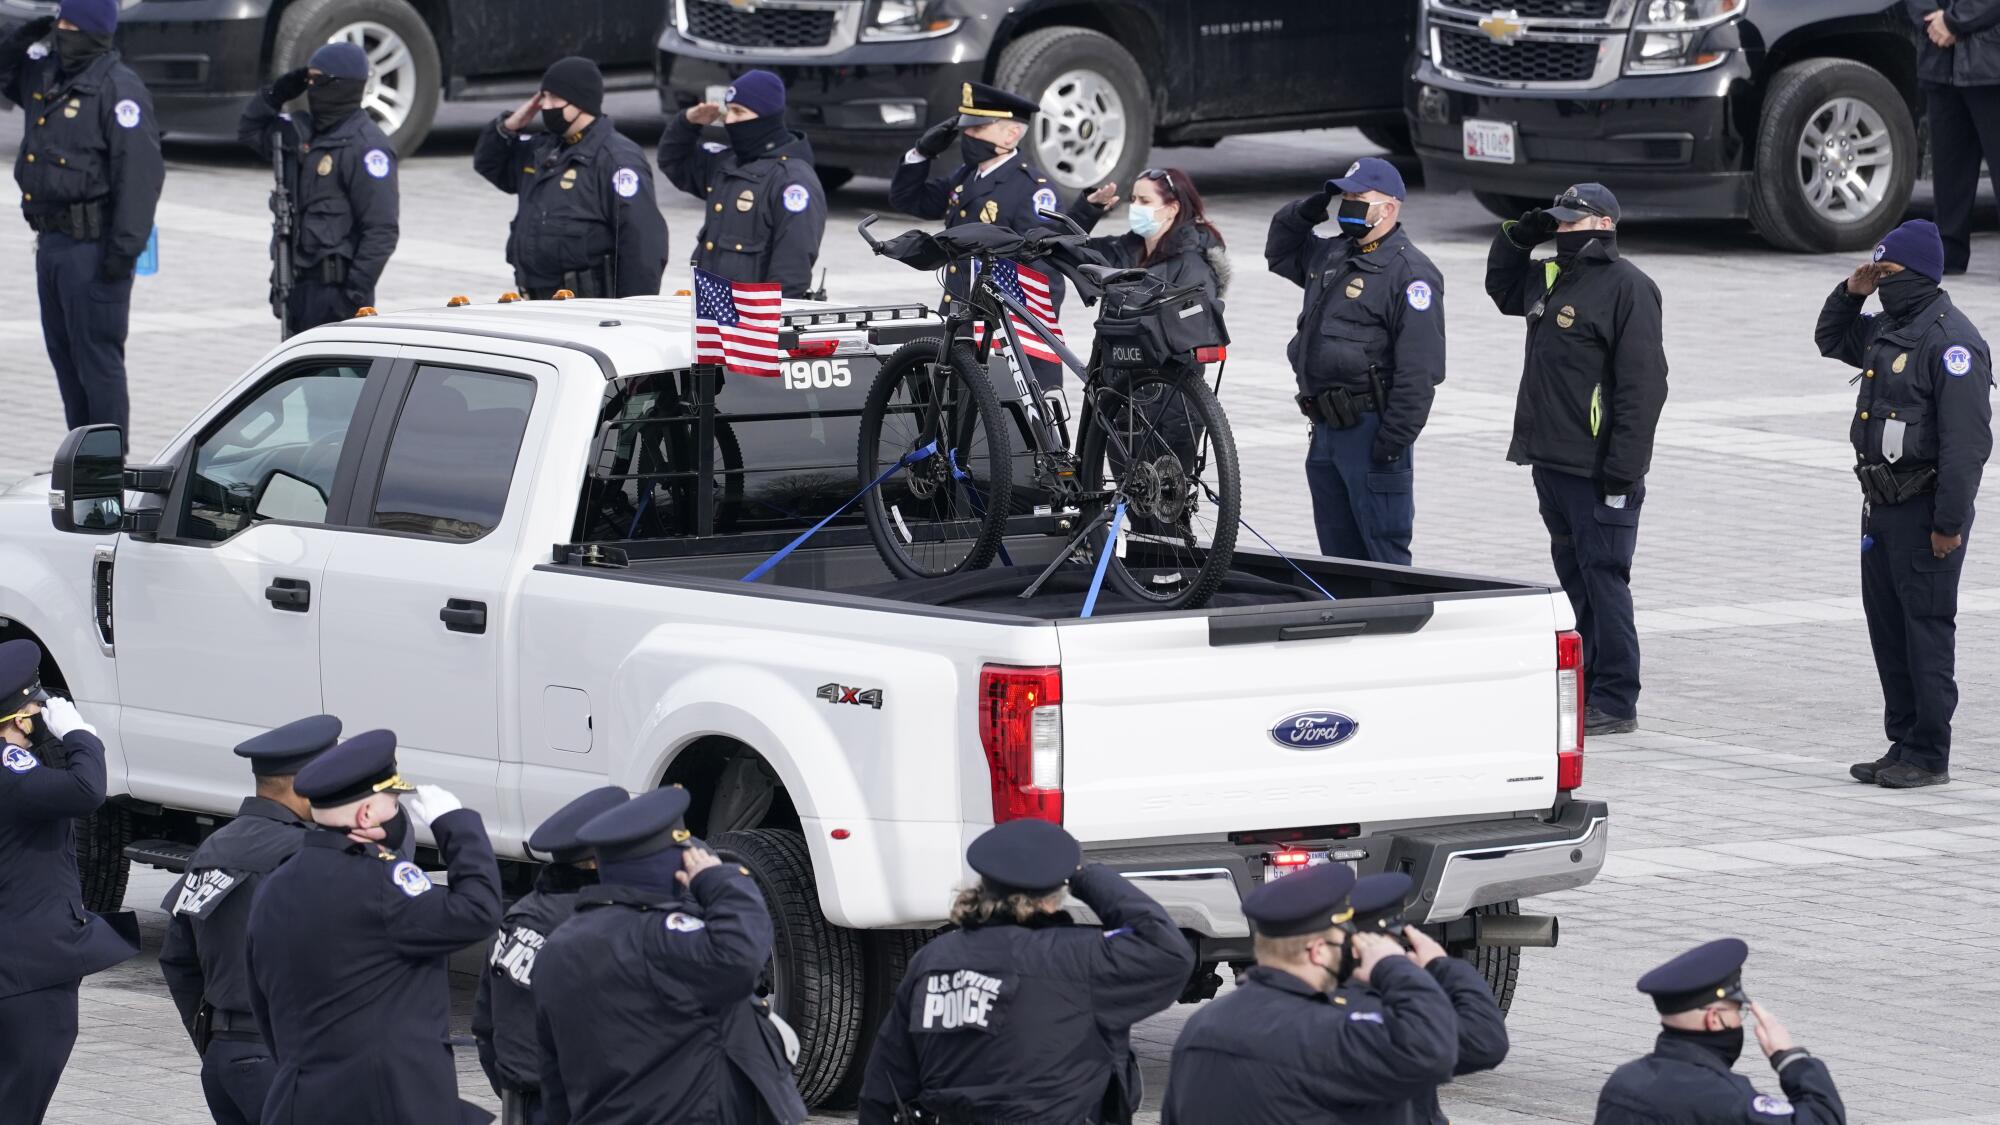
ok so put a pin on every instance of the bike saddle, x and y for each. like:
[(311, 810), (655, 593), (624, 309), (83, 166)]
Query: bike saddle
[(1111, 275)]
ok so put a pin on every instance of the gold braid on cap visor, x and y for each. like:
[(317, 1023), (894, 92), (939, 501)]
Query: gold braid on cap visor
[(393, 781)]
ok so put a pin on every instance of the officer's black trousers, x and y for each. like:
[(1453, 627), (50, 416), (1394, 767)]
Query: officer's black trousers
[(1592, 544), (314, 303), (1362, 510), (84, 319), (1911, 599), (1965, 128), (37, 1030), (236, 1074)]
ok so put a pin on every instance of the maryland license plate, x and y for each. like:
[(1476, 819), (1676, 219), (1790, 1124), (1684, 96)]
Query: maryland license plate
[(1490, 141)]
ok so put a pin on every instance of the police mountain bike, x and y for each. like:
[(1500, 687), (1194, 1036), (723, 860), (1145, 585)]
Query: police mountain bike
[(1152, 481)]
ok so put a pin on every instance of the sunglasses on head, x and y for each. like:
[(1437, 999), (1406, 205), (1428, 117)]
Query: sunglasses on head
[(1163, 177), (1576, 202)]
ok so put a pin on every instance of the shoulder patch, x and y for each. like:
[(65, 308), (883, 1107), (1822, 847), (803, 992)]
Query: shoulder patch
[(1045, 199), (39, 49), (1770, 1106), (1364, 1017), (797, 198), (679, 923), (714, 146), (1419, 295), (625, 182), (18, 760), (377, 163), (410, 878), (1957, 360), (127, 113)]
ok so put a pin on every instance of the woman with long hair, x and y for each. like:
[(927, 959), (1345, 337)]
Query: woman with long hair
[(1169, 233)]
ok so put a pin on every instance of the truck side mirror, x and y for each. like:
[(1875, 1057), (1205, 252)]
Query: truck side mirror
[(86, 492)]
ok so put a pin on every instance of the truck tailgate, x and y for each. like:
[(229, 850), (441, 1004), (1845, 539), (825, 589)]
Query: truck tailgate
[(1372, 711)]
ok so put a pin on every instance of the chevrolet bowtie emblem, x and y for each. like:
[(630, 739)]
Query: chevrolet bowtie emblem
[(1503, 27)]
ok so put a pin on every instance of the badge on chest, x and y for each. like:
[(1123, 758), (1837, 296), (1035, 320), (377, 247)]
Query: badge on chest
[(960, 1000)]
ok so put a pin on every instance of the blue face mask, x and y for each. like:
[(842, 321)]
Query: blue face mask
[(1142, 220)]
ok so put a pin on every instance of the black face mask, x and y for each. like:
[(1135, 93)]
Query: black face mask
[(1353, 217), (554, 121), (1569, 242), (78, 48), (1727, 1044), (397, 829), (332, 99), (755, 138), (976, 150), (1903, 294)]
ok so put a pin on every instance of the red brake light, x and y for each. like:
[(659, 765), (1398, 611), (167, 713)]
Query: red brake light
[(1290, 859), (1020, 726), (1569, 711), (814, 349), (1211, 355)]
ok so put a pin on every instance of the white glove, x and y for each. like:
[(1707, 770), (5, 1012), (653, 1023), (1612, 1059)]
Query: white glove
[(62, 717), (428, 803)]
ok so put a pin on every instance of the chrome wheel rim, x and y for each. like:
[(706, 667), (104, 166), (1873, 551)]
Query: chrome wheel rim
[(1080, 132), (1846, 160), (392, 81)]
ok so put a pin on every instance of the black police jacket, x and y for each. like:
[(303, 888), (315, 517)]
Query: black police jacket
[(51, 938), (1925, 394), (646, 1010), (208, 908), (1010, 196), (1972, 61), (581, 207), (503, 1015), (1372, 312), (345, 200), (1684, 1083), (1595, 377), (1276, 1051), (1007, 1023), (761, 221), (348, 953), (88, 137), (1482, 1027), (1189, 254)]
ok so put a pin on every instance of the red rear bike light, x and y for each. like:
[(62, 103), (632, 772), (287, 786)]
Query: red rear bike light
[(813, 349)]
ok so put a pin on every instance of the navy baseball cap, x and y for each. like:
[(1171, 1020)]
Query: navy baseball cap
[(362, 766), (556, 837), (284, 751), (1026, 856), (1370, 173), (1582, 201), (645, 825), (1309, 902), (1699, 977)]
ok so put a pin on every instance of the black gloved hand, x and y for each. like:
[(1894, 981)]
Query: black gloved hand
[(938, 137), (287, 86), (116, 267), (1385, 452), (33, 30), (1533, 228), (1315, 207)]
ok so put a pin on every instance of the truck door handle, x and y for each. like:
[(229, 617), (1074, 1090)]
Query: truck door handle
[(291, 594), (462, 616)]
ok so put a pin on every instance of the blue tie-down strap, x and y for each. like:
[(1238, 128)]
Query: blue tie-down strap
[(928, 449), (1104, 558), (972, 493), (1287, 558)]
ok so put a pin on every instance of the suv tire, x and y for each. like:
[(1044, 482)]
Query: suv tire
[(417, 79), (1070, 70), (1797, 101)]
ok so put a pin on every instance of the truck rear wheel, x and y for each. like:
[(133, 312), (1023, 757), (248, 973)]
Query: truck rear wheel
[(1096, 122), (1836, 157), (1500, 965), (814, 979), (407, 78), (100, 858), (887, 955)]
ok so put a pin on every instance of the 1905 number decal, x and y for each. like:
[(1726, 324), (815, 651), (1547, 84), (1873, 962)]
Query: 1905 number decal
[(817, 374)]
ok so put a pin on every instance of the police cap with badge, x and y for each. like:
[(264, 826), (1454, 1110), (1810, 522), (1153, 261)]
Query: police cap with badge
[(1309, 902), (1030, 857), (1370, 173), (1699, 977), (979, 104), (360, 767), (20, 678), (1378, 902), (645, 825), (284, 751), (557, 836)]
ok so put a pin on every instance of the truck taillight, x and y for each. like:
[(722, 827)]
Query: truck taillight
[(1569, 711), (1020, 725)]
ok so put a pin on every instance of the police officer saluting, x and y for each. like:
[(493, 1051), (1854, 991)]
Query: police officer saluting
[(349, 944), (1592, 387), (1922, 431), (586, 219), (90, 172), (1019, 1015), (208, 917), (1688, 1078), (1286, 1047), (503, 1021), (51, 772), (646, 999), (1368, 355), (340, 172), (763, 208)]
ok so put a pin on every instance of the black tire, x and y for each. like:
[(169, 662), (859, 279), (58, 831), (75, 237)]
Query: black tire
[(886, 955), (815, 979), (1393, 137), (924, 522), (1795, 101), (1508, 206), (833, 179), (1163, 418), (1031, 65), (100, 858), (1500, 965), (307, 24)]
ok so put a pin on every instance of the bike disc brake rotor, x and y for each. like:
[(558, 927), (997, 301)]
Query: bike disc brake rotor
[(1159, 489)]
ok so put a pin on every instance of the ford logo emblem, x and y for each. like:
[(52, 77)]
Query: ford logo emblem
[(1313, 730)]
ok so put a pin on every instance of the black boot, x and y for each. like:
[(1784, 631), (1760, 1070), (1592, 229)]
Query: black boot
[(1903, 775), (1597, 722), (1865, 772)]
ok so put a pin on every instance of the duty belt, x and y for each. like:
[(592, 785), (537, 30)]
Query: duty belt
[(330, 270), (1883, 485), (82, 221), (1339, 408), (220, 1023)]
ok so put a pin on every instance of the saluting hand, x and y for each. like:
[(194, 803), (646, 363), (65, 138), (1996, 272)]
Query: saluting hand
[(938, 137), (694, 861), (1862, 281), (1772, 1036), (1373, 949), (704, 113), (1106, 195), (524, 113), (1423, 948)]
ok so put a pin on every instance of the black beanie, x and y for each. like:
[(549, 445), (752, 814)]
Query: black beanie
[(577, 81)]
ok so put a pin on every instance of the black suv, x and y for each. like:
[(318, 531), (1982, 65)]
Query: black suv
[(1114, 77), (202, 58), (1799, 114)]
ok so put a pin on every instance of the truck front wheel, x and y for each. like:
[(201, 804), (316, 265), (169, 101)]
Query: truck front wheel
[(1096, 122), (1836, 157), (100, 858)]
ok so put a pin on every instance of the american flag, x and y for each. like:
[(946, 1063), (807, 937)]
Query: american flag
[(1031, 290), (736, 325)]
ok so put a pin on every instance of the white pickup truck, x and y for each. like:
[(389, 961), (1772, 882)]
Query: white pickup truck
[(481, 528)]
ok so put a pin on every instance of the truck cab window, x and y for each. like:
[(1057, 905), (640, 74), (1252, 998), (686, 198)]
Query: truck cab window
[(451, 460), (276, 456)]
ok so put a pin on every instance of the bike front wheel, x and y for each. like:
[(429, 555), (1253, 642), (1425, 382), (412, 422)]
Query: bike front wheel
[(1158, 440), (937, 431)]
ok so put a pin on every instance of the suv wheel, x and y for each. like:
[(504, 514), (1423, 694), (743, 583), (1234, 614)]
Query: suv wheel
[(1096, 122), (1836, 157), (402, 94)]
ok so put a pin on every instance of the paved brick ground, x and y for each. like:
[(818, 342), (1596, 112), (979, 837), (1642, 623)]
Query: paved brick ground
[(1873, 915)]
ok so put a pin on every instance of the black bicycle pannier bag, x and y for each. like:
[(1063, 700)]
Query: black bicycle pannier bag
[(1139, 327)]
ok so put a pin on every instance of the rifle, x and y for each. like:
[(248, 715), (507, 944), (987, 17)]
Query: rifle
[(282, 272)]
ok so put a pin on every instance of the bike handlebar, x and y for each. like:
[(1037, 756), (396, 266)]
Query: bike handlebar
[(861, 228)]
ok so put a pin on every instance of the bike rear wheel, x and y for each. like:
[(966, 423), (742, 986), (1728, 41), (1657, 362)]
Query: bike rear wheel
[(943, 509), (1160, 440)]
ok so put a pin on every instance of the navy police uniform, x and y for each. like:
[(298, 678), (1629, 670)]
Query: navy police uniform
[(1276, 1050), (503, 1017), (1593, 384), (348, 952), (1688, 1079), (763, 209), (1005, 1022), (90, 172), (1368, 356), (341, 172), (646, 997), (1961, 85), (52, 942), (1922, 431), (208, 918)]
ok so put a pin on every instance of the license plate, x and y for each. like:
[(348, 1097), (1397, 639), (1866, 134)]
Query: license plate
[(1314, 858), (1490, 141)]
